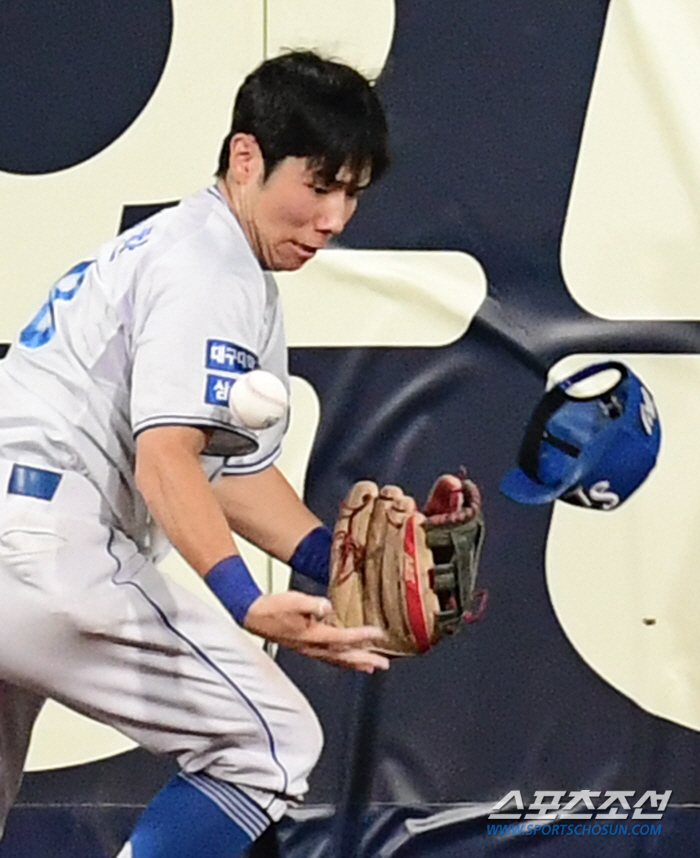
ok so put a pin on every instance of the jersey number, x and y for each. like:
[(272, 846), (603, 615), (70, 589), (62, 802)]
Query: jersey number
[(43, 326)]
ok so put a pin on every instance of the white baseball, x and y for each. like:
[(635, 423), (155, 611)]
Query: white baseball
[(258, 399)]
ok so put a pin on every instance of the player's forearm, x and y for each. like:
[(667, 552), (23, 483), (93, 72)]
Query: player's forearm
[(265, 509), (179, 496)]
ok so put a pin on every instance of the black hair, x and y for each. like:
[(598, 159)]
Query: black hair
[(302, 105)]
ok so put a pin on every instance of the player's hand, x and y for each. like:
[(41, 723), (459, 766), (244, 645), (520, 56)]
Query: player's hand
[(300, 622)]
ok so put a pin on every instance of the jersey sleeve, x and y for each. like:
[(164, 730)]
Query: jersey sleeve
[(273, 358), (198, 328)]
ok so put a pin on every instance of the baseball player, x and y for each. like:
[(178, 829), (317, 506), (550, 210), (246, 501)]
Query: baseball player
[(114, 427)]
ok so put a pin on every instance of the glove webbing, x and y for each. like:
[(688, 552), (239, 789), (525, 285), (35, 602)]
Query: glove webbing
[(456, 551)]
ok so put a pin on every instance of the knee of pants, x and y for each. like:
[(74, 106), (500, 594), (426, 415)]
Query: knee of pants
[(298, 746), (281, 761), (310, 728)]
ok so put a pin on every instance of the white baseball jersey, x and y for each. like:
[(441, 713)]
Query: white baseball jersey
[(152, 331)]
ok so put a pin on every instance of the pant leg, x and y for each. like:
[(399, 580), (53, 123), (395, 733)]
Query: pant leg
[(90, 622), (19, 709)]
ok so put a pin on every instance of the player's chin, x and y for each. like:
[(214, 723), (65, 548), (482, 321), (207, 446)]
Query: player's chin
[(286, 264), (291, 266)]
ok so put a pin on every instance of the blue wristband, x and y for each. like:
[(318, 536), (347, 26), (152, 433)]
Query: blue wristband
[(312, 557), (230, 581)]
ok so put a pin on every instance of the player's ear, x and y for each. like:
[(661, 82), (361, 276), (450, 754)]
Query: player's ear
[(245, 158)]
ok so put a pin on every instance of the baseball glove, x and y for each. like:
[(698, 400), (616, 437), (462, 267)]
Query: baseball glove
[(411, 573)]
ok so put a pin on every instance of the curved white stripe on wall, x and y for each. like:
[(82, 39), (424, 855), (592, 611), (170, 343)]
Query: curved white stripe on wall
[(625, 584), (169, 151), (631, 243)]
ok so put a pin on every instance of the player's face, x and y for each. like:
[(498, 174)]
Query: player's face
[(293, 213), (296, 213)]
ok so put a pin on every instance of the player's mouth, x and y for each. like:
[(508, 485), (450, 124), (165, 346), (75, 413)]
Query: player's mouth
[(306, 251)]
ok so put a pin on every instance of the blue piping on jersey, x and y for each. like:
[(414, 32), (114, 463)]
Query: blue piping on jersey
[(205, 658), (198, 422), (226, 470), (190, 420)]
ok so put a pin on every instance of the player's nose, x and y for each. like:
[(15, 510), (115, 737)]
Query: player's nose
[(338, 207)]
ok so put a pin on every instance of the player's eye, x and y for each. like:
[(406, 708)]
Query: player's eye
[(354, 192)]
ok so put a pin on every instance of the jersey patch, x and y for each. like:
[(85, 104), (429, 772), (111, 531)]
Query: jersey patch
[(228, 357), (218, 389)]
